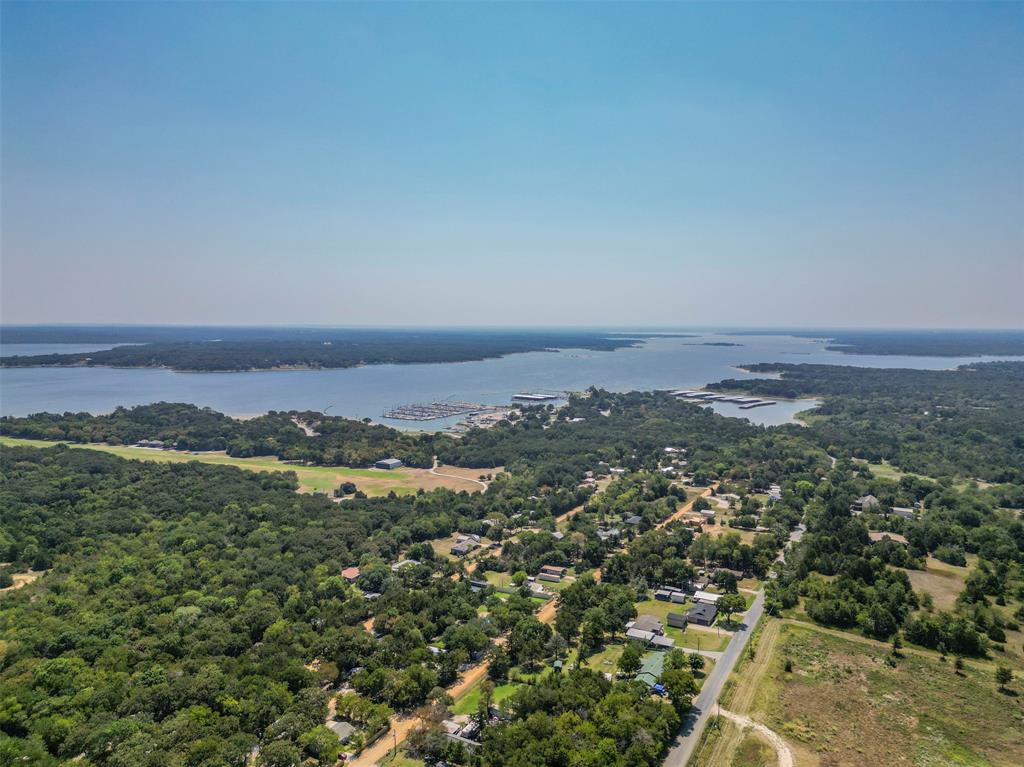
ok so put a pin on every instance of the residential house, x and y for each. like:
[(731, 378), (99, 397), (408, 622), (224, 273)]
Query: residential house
[(702, 614), (647, 623), (706, 597), (864, 503)]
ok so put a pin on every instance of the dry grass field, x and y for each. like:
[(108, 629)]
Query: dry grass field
[(842, 705)]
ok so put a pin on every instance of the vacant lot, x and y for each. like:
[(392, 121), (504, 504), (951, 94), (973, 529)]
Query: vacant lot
[(843, 705), (312, 479), (944, 582)]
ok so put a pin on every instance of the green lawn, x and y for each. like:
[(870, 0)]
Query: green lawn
[(606, 660), (698, 640), (469, 702)]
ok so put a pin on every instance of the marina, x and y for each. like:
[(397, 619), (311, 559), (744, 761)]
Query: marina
[(744, 403), (431, 411)]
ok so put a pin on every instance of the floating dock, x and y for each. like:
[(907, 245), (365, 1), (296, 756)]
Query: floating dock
[(535, 397), (745, 403), (429, 411)]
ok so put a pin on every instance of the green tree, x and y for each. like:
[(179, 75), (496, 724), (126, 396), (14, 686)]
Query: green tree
[(280, 753), (729, 604), (680, 687), (629, 661), (1004, 675)]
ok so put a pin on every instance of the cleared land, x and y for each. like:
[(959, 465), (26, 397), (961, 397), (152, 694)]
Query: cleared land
[(312, 479), (944, 582), (843, 705), (23, 579)]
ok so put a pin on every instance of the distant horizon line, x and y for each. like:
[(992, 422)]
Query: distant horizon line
[(604, 328)]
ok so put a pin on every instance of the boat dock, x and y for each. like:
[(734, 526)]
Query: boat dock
[(745, 403), (430, 411)]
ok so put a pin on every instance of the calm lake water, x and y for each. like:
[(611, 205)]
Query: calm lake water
[(661, 363)]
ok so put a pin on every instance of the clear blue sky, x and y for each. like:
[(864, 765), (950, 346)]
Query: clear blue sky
[(770, 164)]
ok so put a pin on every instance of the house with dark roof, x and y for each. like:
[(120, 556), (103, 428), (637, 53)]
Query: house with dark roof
[(702, 614), (648, 623), (677, 620)]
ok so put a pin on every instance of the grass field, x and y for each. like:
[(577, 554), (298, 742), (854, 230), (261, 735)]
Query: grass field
[(843, 705), (469, 702), (606, 661), (312, 479), (944, 582)]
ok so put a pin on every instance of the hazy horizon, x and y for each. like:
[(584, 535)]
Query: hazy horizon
[(760, 166)]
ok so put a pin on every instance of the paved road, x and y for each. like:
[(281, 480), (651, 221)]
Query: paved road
[(703, 706), (682, 750)]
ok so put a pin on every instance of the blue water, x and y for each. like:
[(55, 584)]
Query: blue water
[(661, 363)]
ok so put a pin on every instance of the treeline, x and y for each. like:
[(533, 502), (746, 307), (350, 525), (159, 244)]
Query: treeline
[(967, 422), (335, 441), (326, 349)]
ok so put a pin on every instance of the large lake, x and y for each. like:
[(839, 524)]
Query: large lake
[(660, 363)]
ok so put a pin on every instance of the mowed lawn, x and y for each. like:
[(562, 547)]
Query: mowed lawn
[(469, 702), (312, 479), (843, 705)]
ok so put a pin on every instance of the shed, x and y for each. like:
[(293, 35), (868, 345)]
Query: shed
[(389, 463), (677, 620)]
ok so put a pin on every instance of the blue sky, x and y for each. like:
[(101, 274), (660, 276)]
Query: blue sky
[(667, 164)]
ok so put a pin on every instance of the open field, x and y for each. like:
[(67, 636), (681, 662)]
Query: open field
[(944, 582), (842, 705), (312, 479), (469, 702)]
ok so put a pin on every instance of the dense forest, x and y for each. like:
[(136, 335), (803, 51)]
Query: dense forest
[(964, 422), (335, 441), (226, 349)]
